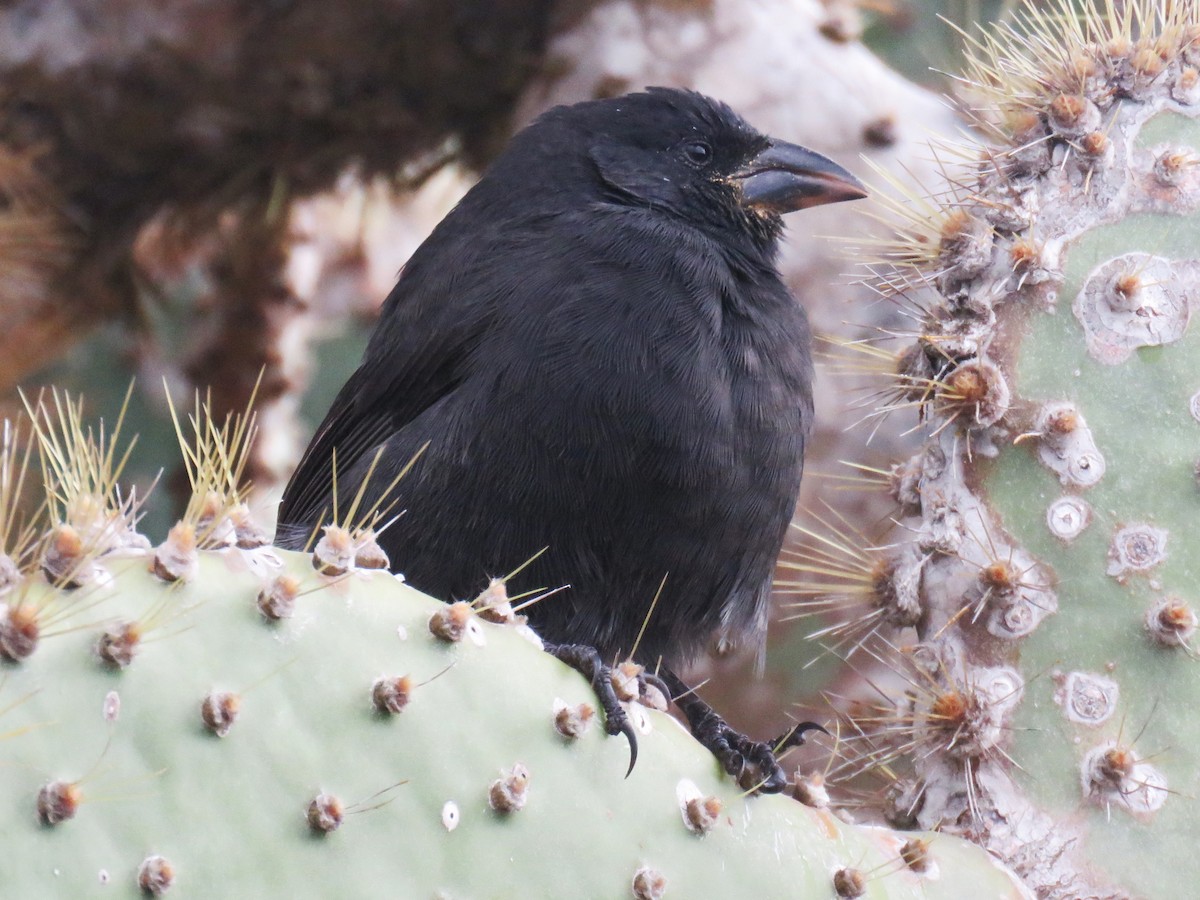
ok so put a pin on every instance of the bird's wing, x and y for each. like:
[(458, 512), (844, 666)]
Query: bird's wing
[(419, 352)]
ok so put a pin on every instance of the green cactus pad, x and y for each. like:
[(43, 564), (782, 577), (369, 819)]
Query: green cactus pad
[(1139, 412), (415, 797)]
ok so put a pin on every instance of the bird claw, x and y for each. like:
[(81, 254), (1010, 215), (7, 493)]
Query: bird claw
[(761, 771), (753, 764), (587, 662)]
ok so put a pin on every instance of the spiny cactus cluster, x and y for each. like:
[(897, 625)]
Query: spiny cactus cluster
[(214, 717), (1046, 560)]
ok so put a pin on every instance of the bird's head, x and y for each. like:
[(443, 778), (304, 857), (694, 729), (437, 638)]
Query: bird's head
[(690, 156)]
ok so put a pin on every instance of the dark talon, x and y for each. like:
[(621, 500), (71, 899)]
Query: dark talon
[(774, 783), (653, 679), (587, 662), (627, 730), (794, 736)]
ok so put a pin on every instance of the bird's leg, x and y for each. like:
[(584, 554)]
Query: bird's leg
[(587, 662), (751, 763)]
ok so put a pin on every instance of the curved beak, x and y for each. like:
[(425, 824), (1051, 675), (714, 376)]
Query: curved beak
[(786, 177)]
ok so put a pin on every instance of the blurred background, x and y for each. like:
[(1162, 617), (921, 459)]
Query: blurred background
[(194, 191)]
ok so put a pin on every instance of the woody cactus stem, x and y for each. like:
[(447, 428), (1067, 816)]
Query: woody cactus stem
[(244, 355), (1052, 708)]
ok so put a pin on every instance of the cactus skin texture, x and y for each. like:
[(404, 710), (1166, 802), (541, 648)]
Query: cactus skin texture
[(318, 789), (1053, 711)]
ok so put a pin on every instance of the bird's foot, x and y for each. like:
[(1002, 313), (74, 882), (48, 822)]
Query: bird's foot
[(753, 764), (587, 662)]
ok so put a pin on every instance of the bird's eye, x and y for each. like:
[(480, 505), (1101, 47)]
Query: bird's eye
[(698, 153)]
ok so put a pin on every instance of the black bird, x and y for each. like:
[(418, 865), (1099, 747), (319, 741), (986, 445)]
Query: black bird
[(597, 348)]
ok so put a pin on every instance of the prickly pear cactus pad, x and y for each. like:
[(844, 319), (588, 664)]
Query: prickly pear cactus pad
[(1053, 693), (273, 732), (1127, 562)]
